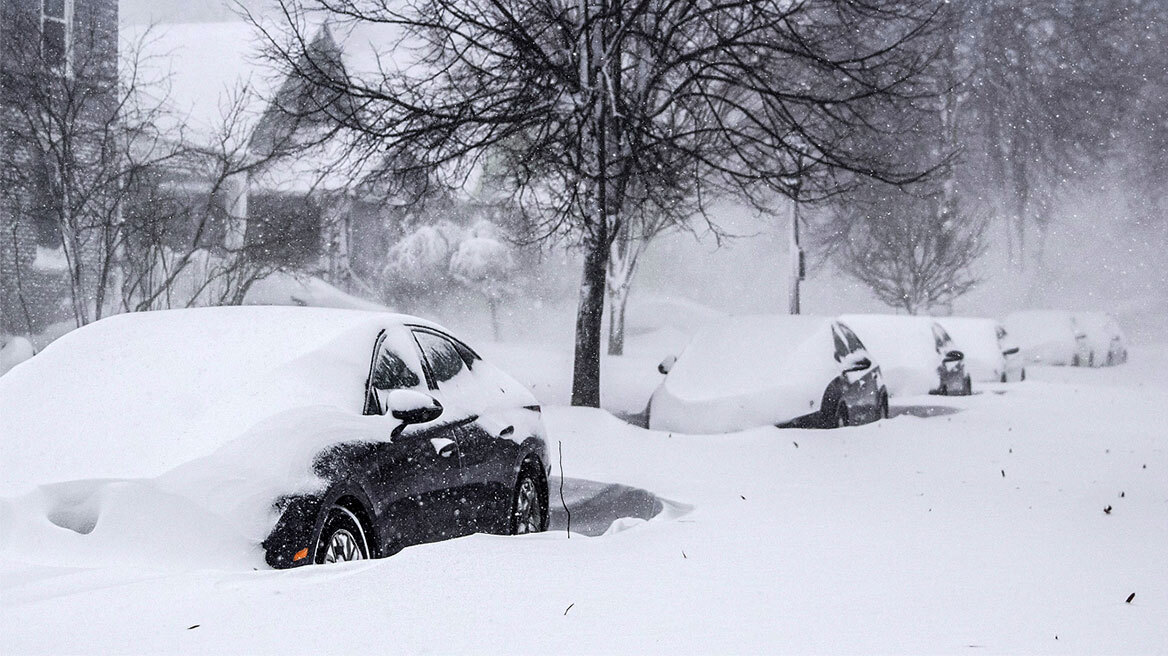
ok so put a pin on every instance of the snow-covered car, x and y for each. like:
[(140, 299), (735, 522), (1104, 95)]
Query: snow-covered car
[(990, 355), (916, 355), (321, 435), (1015, 369), (1106, 342), (744, 372), (1051, 337)]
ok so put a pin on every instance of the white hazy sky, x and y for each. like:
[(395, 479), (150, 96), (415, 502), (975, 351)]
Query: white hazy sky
[(179, 11)]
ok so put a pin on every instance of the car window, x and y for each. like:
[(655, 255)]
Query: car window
[(841, 344), (387, 371), (442, 357), (468, 356), (940, 337), (854, 343)]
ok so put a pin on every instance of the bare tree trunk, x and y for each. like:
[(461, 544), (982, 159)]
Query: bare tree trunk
[(493, 307), (796, 265), (589, 322), (618, 298), (622, 264)]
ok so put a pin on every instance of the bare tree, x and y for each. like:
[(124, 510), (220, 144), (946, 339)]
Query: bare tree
[(147, 215), (1040, 87), (641, 223), (914, 253), (68, 159), (186, 238), (580, 100)]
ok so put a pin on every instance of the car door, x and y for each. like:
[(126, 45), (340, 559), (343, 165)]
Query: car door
[(862, 390), (486, 444), (417, 473), (953, 372)]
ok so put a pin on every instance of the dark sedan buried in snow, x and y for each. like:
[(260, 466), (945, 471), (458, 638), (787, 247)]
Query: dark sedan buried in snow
[(432, 479), (318, 435)]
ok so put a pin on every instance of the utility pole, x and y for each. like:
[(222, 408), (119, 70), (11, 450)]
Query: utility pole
[(797, 265)]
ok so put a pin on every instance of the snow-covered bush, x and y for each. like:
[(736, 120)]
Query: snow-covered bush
[(441, 260), (486, 265)]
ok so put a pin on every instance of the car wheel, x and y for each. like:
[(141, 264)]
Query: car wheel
[(1022, 377), (841, 415), (1004, 377), (968, 386), (528, 511), (883, 406), (342, 538)]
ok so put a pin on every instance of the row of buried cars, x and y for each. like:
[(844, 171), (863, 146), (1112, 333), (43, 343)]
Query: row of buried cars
[(321, 435), (809, 371)]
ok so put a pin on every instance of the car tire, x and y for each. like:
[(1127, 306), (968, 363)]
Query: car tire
[(968, 386), (1004, 377), (529, 513), (342, 538), (1022, 377), (883, 406)]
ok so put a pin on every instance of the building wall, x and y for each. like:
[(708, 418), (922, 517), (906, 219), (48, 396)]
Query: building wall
[(35, 291)]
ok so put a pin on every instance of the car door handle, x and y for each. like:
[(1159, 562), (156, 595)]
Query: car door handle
[(443, 446)]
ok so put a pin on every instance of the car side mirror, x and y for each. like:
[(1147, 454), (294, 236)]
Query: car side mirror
[(1010, 351), (411, 407), (667, 365), (954, 356), (856, 363)]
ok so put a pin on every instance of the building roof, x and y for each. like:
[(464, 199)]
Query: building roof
[(213, 75)]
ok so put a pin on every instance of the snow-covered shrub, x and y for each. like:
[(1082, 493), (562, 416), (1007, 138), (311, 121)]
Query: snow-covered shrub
[(487, 266)]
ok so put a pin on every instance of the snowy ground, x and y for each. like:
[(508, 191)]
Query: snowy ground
[(960, 524)]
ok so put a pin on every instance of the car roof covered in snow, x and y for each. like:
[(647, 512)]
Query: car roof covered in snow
[(742, 354), (903, 346), (971, 332), (1030, 325), (174, 385)]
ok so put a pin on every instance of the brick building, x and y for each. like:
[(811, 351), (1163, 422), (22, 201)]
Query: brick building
[(58, 80)]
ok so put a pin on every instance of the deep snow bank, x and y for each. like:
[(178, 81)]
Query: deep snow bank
[(137, 394)]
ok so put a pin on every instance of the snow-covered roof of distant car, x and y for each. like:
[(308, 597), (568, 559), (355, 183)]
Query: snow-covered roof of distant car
[(742, 354), (903, 346), (170, 386)]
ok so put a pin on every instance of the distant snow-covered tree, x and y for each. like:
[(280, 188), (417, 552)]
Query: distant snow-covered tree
[(487, 265), (419, 262)]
